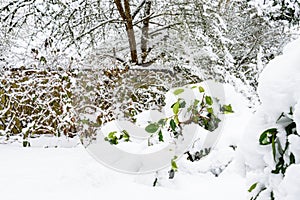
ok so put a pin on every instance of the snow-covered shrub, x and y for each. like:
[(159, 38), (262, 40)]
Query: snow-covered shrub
[(35, 102), (272, 140), (122, 93), (219, 38), (280, 10)]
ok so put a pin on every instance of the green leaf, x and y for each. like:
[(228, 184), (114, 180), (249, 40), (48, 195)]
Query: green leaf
[(162, 122), (173, 124), (210, 110), (182, 103), (290, 129), (265, 137), (173, 163), (213, 123), (152, 128), (292, 159), (194, 87), (126, 136), (178, 91), (196, 102), (252, 187), (280, 166), (176, 119), (201, 89), (111, 135), (114, 141), (227, 109), (160, 136), (208, 100), (112, 138), (176, 108), (26, 144)]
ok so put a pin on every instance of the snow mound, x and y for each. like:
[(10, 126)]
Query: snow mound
[(279, 83), (280, 94)]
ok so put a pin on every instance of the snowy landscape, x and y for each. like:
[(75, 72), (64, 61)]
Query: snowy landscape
[(150, 99)]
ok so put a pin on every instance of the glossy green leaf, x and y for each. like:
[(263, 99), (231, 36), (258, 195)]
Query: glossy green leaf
[(208, 100), (196, 102), (173, 163), (252, 187), (182, 103), (178, 91), (265, 137), (176, 119), (160, 136), (162, 122), (227, 109), (112, 134), (176, 108), (126, 136), (26, 144), (292, 159), (152, 128), (201, 89), (210, 110), (173, 124)]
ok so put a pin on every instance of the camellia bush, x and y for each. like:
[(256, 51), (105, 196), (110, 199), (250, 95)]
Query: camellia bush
[(272, 155), (122, 93), (203, 110), (277, 141)]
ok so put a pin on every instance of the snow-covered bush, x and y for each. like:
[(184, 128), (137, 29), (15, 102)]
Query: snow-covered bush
[(35, 102), (272, 152), (280, 10), (122, 93), (224, 40)]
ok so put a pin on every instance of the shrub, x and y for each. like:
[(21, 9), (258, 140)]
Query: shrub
[(35, 102)]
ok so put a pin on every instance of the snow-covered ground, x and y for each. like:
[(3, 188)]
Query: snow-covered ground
[(237, 161), (72, 173)]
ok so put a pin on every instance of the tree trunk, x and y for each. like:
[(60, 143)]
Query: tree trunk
[(145, 31), (127, 17)]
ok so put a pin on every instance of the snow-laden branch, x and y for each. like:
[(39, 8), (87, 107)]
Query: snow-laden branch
[(94, 28)]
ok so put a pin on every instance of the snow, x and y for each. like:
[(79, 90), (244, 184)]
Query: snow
[(289, 187), (72, 173), (297, 115), (62, 173), (235, 163), (279, 82), (278, 90)]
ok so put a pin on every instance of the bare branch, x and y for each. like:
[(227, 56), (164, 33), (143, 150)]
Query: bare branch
[(120, 9), (94, 28), (164, 27), (138, 8)]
